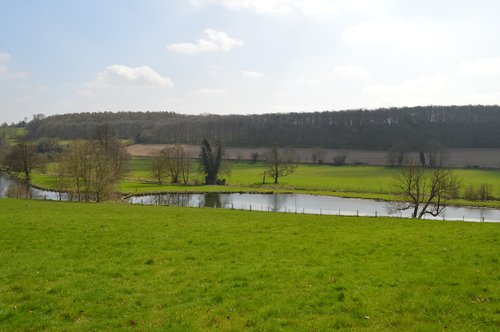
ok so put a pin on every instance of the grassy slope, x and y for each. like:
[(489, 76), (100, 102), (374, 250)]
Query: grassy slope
[(88, 266)]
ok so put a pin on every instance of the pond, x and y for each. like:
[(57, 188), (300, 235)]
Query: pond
[(289, 203)]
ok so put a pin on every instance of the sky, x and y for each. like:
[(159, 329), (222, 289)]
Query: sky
[(245, 56)]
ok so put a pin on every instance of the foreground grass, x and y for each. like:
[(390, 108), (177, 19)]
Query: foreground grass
[(68, 266)]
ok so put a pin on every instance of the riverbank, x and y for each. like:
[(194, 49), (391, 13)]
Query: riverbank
[(368, 182)]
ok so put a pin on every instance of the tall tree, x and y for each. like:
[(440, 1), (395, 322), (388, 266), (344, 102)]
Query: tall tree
[(210, 161), (279, 163)]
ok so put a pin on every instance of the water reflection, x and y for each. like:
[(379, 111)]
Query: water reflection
[(291, 203), (310, 204)]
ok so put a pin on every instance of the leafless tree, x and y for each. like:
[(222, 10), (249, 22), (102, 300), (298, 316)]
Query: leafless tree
[(435, 153), (95, 168), (423, 190), (318, 155), (23, 159), (159, 166), (397, 154), (340, 158), (280, 163), (178, 164)]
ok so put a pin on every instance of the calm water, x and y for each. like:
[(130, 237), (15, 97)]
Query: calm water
[(290, 203), (298, 203), (6, 183)]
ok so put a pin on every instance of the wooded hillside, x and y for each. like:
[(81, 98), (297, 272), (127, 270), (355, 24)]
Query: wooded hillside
[(453, 126)]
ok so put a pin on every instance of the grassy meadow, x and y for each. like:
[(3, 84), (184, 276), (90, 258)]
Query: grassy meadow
[(71, 266)]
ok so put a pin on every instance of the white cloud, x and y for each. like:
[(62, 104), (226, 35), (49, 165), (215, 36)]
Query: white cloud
[(392, 33), (212, 92), (3, 70), (275, 7), (216, 41), (4, 56), (479, 67), (120, 75), (352, 72), (253, 74)]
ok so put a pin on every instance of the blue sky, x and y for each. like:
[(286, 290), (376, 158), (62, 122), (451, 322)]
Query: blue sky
[(245, 56)]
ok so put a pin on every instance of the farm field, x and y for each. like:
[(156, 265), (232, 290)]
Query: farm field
[(70, 266), (456, 157)]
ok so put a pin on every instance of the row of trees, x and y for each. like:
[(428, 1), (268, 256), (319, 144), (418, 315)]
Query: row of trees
[(453, 126), (432, 154), (172, 163), (88, 170)]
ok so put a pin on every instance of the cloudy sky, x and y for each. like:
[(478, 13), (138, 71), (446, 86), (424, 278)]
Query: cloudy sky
[(245, 56)]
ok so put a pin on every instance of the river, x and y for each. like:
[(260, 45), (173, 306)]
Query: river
[(289, 203)]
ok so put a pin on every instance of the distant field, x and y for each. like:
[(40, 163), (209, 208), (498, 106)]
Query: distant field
[(360, 179), (68, 266), (489, 158)]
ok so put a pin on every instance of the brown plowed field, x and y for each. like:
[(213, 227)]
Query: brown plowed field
[(489, 158)]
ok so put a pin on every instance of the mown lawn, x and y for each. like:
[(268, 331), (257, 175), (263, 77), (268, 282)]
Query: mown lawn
[(70, 266)]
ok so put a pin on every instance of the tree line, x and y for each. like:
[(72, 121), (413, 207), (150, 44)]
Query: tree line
[(451, 126)]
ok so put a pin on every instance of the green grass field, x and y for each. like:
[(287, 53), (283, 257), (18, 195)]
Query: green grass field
[(375, 179), (70, 266)]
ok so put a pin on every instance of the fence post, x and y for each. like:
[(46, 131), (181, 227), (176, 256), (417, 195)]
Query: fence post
[(357, 213), (375, 214)]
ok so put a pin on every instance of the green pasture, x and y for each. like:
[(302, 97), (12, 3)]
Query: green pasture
[(308, 178), (71, 266)]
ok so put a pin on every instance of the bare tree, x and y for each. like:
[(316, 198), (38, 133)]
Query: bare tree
[(178, 164), (435, 153), (279, 163), (23, 158), (158, 167), (318, 155), (423, 190), (397, 154), (95, 168), (340, 158)]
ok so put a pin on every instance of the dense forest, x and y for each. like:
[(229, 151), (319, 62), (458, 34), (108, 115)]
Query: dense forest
[(453, 126)]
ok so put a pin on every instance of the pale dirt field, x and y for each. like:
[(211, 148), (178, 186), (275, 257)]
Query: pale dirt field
[(489, 158)]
